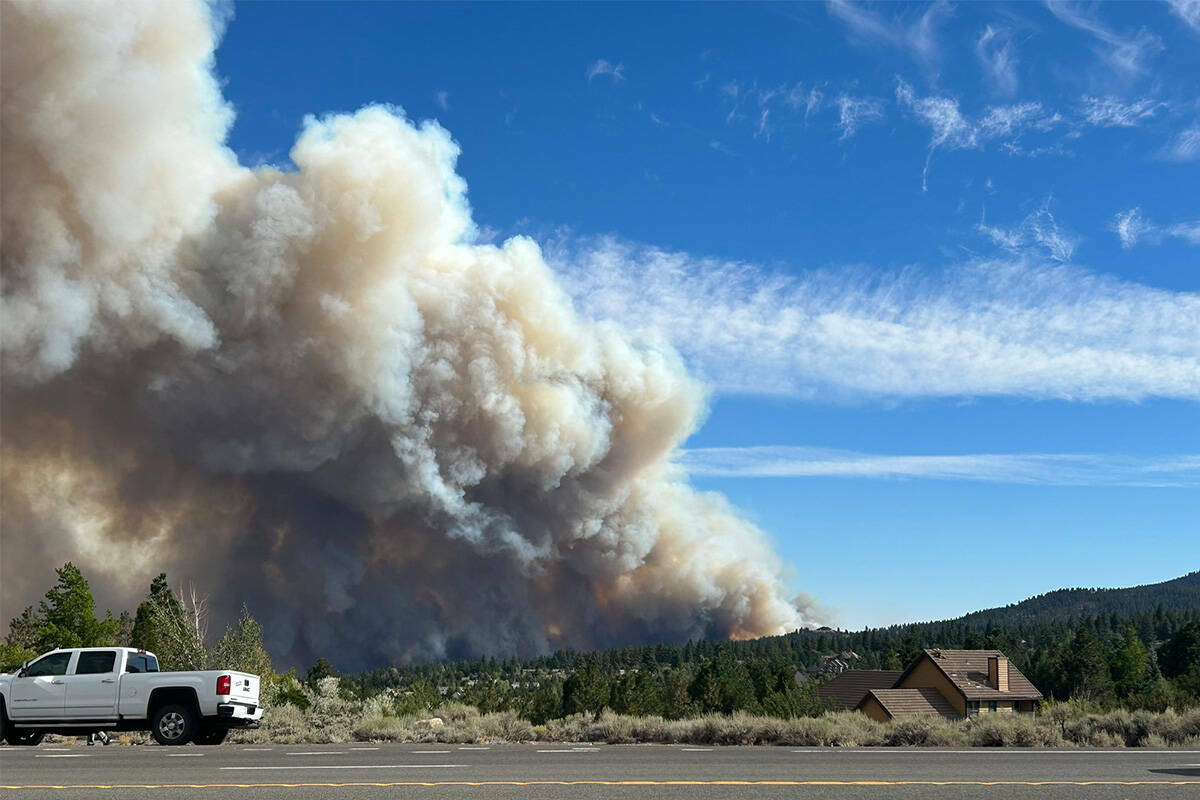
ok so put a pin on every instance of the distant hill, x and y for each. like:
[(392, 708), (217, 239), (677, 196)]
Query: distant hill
[(1064, 605), (1038, 634)]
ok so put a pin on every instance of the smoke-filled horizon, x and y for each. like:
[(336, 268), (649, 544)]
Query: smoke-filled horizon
[(312, 391)]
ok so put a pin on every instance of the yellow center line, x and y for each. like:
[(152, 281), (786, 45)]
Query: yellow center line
[(589, 783)]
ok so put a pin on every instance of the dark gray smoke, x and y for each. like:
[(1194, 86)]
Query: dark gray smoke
[(312, 390)]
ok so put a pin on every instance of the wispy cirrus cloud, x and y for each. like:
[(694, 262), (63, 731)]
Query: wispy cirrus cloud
[(855, 112), (1132, 228), (1125, 52), (1185, 146), (1038, 229), (997, 53), (1188, 11), (1048, 469), (1112, 112), (918, 38), (1014, 324), (951, 129), (602, 67)]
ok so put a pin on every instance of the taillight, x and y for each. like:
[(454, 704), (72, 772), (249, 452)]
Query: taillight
[(223, 683)]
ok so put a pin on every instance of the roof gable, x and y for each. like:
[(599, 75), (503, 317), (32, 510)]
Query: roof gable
[(899, 702), (968, 671)]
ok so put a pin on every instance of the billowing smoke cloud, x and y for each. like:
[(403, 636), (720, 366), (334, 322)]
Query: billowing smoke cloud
[(311, 391)]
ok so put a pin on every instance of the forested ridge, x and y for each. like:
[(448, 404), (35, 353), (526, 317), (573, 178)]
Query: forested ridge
[(1101, 649)]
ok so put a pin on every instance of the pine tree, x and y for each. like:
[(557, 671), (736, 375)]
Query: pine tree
[(68, 614), (241, 648)]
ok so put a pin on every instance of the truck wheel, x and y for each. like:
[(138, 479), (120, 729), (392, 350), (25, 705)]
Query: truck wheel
[(211, 735), (173, 725), (23, 738)]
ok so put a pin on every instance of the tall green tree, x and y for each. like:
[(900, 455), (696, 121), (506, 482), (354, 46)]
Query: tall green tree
[(68, 614), (241, 648), (1084, 667), (173, 626), (1129, 663), (21, 643), (586, 691), (1179, 657)]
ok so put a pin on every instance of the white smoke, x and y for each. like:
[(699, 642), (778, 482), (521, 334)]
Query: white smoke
[(312, 391)]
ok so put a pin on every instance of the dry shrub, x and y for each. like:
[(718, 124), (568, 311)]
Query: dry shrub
[(923, 731), (1002, 730), (453, 711), (575, 728), (503, 726), (384, 728), (1175, 728)]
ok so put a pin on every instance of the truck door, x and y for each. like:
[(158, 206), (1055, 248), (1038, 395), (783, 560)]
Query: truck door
[(92, 687), (39, 690)]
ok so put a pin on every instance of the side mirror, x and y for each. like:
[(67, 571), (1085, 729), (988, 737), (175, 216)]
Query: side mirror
[(21, 672)]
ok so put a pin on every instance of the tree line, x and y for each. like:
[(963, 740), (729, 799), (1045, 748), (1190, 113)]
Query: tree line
[(1145, 659), (171, 624)]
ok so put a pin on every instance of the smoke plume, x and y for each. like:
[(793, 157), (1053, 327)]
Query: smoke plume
[(312, 391)]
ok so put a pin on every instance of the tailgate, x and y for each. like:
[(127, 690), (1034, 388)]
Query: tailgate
[(243, 688)]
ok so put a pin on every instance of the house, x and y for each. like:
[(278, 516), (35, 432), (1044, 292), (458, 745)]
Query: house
[(955, 684)]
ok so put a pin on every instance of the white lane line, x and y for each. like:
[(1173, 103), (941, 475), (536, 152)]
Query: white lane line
[(256, 749), (185, 755), (430, 751), (355, 766), (696, 749), (319, 753), (364, 748), (72, 755), (56, 748), (571, 750)]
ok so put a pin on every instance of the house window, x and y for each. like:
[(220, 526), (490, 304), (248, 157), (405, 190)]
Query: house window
[(972, 708), (992, 706)]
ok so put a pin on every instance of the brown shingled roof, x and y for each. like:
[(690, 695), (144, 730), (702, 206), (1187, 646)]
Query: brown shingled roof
[(968, 669), (903, 702), (851, 686)]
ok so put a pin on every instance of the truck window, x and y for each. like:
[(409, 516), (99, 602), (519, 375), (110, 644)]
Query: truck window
[(53, 664), (96, 663), (141, 663)]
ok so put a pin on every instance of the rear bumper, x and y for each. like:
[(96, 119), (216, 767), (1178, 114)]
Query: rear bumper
[(239, 715)]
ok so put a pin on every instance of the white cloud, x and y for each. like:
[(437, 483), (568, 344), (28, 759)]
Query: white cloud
[(1185, 146), (809, 99), (1016, 324), (1054, 469), (1188, 11), (855, 112), (1038, 230), (1132, 227), (919, 38), (443, 99), (1126, 53), (998, 55), (603, 67), (1110, 112), (941, 115)]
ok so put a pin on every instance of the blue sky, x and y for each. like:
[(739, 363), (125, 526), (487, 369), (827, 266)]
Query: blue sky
[(938, 263)]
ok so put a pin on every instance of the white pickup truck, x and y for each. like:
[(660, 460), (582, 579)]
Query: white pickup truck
[(87, 689)]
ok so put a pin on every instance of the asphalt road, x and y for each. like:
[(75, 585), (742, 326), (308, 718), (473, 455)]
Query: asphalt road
[(542, 771)]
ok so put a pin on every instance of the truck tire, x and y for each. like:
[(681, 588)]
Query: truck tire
[(211, 734), (24, 738), (173, 725)]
